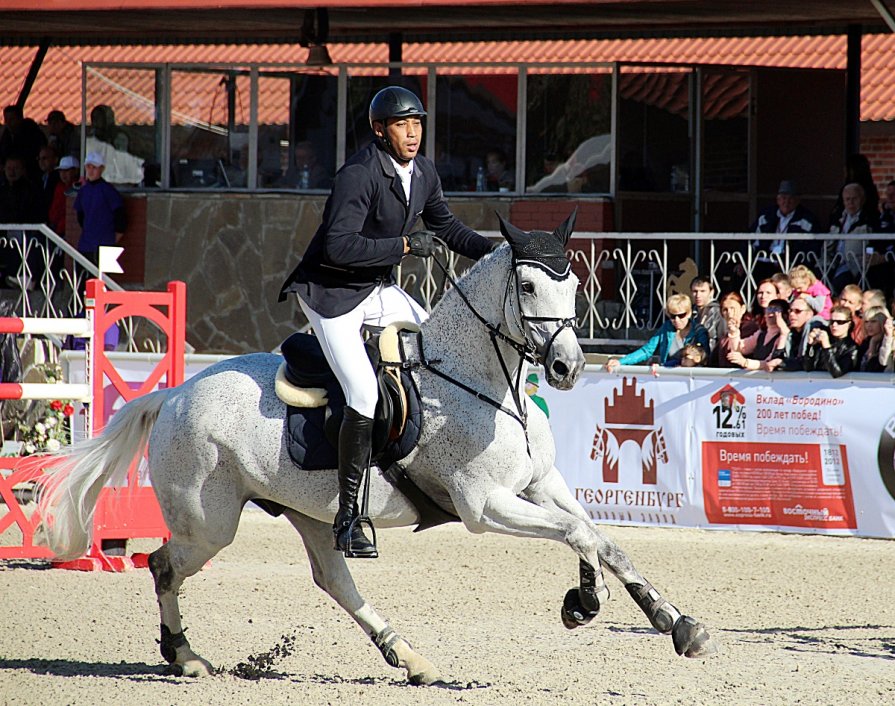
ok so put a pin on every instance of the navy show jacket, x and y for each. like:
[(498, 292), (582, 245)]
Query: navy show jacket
[(360, 238)]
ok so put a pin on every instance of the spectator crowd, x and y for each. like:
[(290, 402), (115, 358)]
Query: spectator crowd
[(40, 171), (794, 324), (795, 321)]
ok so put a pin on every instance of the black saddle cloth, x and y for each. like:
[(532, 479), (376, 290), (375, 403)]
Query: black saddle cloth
[(313, 432)]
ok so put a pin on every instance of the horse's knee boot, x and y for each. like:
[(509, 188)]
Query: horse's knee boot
[(593, 591), (355, 440), (662, 615)]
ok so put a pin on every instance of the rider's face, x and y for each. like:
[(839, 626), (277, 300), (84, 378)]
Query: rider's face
[(404, 135)]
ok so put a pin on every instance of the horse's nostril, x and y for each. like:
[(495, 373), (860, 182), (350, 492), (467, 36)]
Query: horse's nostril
[(559, 369)]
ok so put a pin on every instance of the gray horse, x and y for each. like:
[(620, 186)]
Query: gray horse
[(485, 453)]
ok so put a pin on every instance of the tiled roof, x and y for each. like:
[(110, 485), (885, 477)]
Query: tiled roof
[(58, 84)]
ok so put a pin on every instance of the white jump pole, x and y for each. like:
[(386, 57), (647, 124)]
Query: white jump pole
[(78, 327)]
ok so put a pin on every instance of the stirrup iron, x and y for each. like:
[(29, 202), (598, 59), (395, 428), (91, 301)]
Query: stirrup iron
[(347, 531)]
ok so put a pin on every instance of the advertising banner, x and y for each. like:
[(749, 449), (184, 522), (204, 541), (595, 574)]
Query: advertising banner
[(790, 452)]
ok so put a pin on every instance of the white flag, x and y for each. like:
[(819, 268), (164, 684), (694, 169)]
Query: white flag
[(108, 259)]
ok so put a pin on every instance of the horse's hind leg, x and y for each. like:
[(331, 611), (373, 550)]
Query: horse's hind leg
[(330, 571), (192, 545)]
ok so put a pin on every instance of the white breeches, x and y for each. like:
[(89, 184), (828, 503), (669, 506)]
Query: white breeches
[(343, 346)]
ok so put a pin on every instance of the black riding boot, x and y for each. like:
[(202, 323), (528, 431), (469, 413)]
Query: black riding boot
[(355, 439)]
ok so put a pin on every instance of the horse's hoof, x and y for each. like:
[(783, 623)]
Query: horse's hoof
[(691, 639), (573, 614), (425, 678), (196, 668)]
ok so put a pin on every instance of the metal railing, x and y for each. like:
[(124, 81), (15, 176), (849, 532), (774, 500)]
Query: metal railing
[(626, 278), (48, 279)]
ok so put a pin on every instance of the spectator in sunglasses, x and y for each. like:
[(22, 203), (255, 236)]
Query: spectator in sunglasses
[(668, 343), (833, 350), (794, 333)]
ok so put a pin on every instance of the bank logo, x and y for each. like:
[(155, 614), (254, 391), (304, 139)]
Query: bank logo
[(729, 413), (886, 456), (628, 417)]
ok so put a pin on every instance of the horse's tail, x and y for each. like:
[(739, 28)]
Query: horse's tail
[(68, 499)]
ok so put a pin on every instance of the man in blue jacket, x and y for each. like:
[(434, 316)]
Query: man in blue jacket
[(100, 210), (346, 277)]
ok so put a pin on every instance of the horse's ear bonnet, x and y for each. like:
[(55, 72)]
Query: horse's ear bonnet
[(540, 248)]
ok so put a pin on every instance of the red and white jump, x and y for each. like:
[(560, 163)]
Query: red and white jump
[(125, 512)]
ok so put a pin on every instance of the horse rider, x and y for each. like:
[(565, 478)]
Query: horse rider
[(346, 278)]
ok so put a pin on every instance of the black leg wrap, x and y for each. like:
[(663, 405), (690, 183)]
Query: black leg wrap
[(385, 640), (170, 642), (662, 615), (587, 592)]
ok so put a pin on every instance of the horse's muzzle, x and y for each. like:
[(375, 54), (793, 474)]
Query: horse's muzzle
[(564, 361)]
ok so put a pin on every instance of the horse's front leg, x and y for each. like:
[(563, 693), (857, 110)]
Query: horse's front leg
[(549, 502), (330, 572)]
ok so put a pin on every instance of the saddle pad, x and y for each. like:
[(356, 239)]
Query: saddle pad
[(306, 439), (310, 449)]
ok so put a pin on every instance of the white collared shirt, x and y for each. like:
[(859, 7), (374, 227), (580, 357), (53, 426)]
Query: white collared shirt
[(783, 221), (404, 173), (849, 221)]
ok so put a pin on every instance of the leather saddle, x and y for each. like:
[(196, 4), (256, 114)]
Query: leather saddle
[(306, 382), (315, 406)]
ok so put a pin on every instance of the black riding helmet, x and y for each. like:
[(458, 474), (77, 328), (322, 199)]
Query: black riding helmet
[(395, 102)]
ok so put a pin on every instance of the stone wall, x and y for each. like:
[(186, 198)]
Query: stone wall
[(235, 250)]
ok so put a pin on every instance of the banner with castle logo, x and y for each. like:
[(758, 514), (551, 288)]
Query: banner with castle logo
[(793, 452)]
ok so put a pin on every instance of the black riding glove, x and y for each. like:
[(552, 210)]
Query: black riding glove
[(421, 243)]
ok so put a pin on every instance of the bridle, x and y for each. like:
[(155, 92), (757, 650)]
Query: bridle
[(527, 349), (524, 348)]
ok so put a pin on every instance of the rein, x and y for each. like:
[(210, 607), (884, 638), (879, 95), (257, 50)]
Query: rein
[(526, 349)]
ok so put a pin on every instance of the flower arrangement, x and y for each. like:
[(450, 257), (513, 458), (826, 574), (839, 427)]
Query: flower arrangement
[(52, 427)]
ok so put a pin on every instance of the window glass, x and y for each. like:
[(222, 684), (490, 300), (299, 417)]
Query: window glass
[(363, 84), (296, 130), (725, 108), (653, 126), (273, 130), (569, 132), (122, 123), (475, 132), (210, 128)]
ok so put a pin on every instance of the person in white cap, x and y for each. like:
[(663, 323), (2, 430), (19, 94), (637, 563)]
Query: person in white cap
[(100, 210), (67, 184)]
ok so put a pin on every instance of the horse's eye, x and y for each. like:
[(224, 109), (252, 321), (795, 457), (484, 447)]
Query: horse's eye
[(527, 288)]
